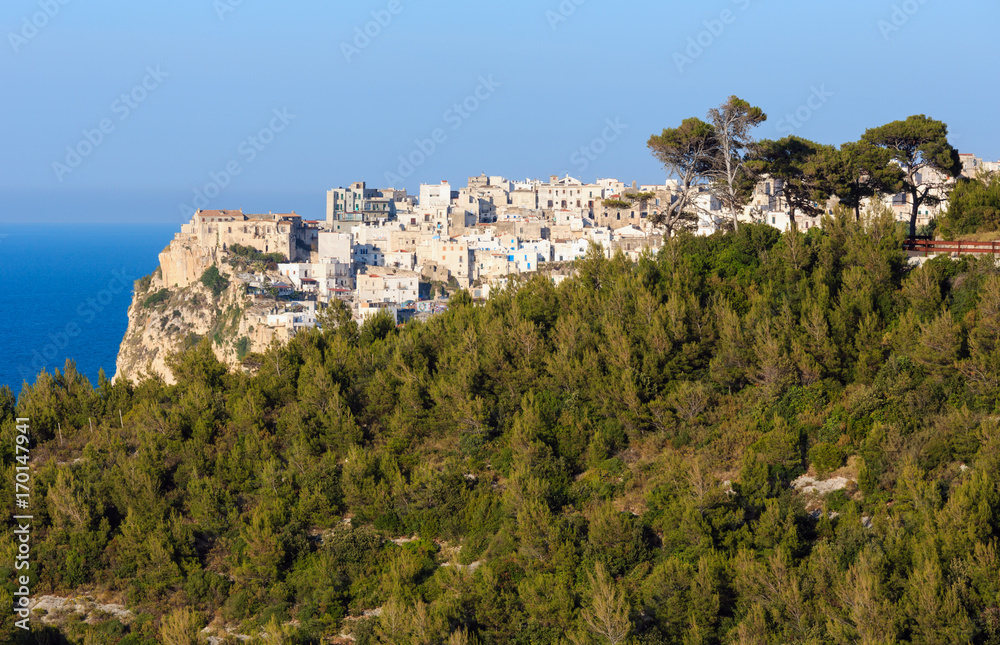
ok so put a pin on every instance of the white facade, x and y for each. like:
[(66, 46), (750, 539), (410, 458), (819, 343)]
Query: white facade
[(570, 250), (329, 276), (600, 236), (333, 277), (335, 246), (528, 255), (387, 287), (435, 195), (401, 260), (295, 320), (481, 241)]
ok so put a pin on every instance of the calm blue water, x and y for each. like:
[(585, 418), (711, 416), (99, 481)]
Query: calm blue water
[(66, 292)]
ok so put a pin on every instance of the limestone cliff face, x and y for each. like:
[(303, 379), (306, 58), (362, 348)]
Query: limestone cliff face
[(172, 310), (183, 261)]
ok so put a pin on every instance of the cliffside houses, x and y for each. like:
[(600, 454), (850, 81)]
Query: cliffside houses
[(381, 248)]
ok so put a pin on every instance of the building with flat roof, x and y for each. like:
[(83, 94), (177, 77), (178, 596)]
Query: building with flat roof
[(360, 205)]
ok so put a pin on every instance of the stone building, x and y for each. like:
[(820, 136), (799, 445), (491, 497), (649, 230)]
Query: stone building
[(211, 232), (448, 255), (283, 233), (568, 193)]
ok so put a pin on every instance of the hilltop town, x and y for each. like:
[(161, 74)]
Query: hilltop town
[(384, 250)]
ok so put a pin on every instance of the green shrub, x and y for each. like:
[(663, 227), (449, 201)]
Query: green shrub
[(826, 457), (214, 280), (156, 298), (248, 254), (617, 203), (242, 348)]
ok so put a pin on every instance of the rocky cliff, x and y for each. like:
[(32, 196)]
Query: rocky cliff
[(172, 310)]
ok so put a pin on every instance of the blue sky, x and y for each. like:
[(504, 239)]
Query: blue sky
[(550, 78)]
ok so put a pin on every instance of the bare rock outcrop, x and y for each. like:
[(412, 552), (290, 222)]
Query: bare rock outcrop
[(172, 310)]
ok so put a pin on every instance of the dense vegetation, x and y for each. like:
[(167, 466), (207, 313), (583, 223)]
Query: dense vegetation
[(214, 281), (973, 207), (605, 461), (244, 256)]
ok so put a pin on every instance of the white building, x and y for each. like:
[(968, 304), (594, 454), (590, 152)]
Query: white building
[(600, 235), (335, 246), (435, 195), (302, 316), (388, 287), (330, 277), (368, 309), (401, 259), (570, 250)]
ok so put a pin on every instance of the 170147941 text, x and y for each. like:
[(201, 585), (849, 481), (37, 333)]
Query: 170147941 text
[(22, 496)]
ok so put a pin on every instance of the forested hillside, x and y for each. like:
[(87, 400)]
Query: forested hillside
[(606, 461)]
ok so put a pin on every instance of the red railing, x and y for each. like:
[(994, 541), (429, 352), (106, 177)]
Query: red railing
[(928, 247)]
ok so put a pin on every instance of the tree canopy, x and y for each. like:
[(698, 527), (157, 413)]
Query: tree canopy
[(973, 207), (606, 460), (803, 169), (912, 156), (734, 122), (861, 170), (920, 146), (687, 152)]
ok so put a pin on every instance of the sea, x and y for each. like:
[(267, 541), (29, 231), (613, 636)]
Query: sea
[(66, 293)]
